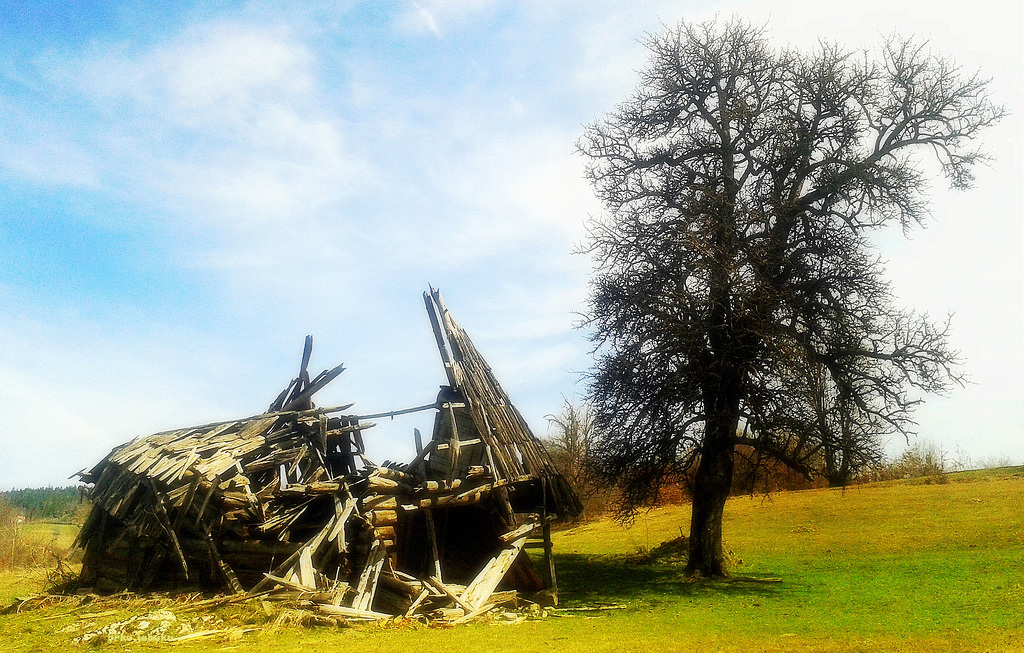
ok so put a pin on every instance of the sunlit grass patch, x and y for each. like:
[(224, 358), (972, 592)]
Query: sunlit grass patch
[(894, 566)]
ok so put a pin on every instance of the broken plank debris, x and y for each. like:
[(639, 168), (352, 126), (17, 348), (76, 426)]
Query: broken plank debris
[(286, 503)]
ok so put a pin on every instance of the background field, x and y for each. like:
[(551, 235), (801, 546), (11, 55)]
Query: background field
[(904, 566)]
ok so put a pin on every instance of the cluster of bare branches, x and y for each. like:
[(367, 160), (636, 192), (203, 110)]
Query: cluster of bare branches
[(736, 298)]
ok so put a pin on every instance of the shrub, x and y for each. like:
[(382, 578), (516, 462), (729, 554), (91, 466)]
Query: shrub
[(923, 459)]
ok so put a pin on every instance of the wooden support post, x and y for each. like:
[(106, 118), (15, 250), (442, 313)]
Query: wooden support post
[(230, 578), (442, 347), (433, 544), (549, 558)]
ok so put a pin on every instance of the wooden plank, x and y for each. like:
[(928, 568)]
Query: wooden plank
[(326, 377), (290, 584), (447, 591), (492, 573), (311, 545), (367, 586), (351, 613), (416, 604), (304, 569), (190, 496), (515, 534), (343, 513), (469, 616)]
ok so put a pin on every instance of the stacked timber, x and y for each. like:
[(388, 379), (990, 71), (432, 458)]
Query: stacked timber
[(286, 501)]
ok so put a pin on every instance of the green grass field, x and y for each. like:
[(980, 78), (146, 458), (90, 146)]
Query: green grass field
[(907, 566)]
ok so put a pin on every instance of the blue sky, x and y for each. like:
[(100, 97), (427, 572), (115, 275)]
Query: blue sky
[(187, 189)]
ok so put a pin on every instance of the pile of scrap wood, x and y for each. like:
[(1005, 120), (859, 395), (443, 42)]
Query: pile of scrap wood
[(287, 502)]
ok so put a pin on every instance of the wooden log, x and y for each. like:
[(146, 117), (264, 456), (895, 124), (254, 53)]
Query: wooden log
[(441, 486), (381, 485), (383, 517), (504, 596), (381, 501), (394, 475), (466, 498), (408, 589)]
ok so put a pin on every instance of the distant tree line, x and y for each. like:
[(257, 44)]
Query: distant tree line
[(572, 442), (46, 503)]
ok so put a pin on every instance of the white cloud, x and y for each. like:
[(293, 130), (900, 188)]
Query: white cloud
[(516, 107), (223, 121), (419, 19), (428, 15), (212, 71)]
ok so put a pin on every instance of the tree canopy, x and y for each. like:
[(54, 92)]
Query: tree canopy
[(737, 298)]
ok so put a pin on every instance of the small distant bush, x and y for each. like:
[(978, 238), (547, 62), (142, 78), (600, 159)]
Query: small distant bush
[(676, 550), (922, 460), (995, 461)]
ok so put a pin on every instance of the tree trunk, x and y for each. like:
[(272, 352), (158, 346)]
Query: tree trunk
[(711, 489)]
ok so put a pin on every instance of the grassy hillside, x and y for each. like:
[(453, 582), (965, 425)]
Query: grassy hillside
[(872, 564), (889, 567)]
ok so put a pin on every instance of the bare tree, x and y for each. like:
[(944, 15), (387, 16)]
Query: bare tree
[(570, 442), (736, 298)]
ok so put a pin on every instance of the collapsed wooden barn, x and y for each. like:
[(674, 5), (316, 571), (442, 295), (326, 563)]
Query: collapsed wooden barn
[(288, 499)]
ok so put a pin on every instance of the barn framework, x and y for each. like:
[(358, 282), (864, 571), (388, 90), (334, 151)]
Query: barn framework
[(287, 501)]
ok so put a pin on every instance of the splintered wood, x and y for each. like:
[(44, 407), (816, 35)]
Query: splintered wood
[(286, 503)]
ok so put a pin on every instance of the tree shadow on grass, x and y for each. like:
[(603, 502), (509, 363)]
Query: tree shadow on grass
[(595, 579)]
